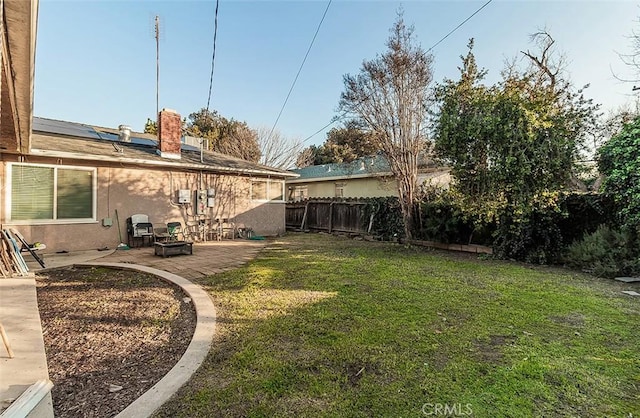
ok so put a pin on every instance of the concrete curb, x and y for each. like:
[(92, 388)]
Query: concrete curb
[(192, 358)]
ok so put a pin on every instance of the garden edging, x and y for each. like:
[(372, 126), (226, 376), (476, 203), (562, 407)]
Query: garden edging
[(195, 353)]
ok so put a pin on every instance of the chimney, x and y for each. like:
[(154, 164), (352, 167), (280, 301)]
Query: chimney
[(169, 134)]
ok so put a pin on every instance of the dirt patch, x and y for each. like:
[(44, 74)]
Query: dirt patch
[(109, 336), (573, 319), (490, 350)]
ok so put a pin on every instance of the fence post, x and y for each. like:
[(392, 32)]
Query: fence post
[(370, 223), (304, 217), (331, 216)]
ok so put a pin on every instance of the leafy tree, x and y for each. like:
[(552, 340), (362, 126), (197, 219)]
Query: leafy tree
[(513, 145), (514, 139), (151, 127), (388, 98), (619, 161), (343, 145), (227, 136)]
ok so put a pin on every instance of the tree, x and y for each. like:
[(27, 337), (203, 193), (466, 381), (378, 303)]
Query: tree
[(276, 150), (515, 139), (619, 161), (343, 145), (151, 127), (306, 157), (463, 124), (512, 146), (226, 136), (389, 98)]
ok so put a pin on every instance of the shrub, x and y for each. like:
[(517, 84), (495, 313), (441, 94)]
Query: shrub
[(605, 253), (532, 236), (387, 220), (584, 213)]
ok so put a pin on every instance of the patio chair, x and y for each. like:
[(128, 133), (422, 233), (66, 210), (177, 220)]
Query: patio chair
[(161, 234), (175, 231), (139, 228), (243, 231), (227, 228)]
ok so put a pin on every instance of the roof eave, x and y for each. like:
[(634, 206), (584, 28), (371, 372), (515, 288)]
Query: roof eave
[(21, 18), (155, 163), (343, 177)]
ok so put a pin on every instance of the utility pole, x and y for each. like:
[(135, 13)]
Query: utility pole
[(157, 36)]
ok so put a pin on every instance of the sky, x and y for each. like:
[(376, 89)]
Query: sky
[(96, 59)]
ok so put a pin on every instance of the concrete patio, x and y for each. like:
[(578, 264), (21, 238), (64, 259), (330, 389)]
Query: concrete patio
[(21, 318)]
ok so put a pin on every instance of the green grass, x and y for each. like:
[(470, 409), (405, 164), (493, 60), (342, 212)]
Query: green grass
[(325, 326)]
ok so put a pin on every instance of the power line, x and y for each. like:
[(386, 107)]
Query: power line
[(300, 69), (426, 52), (213, 57), (458, 27)]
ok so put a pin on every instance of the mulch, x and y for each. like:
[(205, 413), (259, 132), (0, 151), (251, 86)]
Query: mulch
[(110, 335)]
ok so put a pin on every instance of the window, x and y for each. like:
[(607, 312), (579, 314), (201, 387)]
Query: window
[(340, 189), (267, 190), (299, 193), (50, 193)]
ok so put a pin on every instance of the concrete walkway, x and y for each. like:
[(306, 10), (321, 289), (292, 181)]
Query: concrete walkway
[(21, 319)]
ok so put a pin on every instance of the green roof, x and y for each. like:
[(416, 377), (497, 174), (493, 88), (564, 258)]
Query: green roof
[(362, 167)]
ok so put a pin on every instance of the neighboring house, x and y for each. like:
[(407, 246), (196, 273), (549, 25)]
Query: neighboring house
[(66, 189), (365, 177)]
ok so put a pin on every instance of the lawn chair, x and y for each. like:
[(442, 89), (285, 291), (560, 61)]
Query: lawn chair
[(139, 227), (243, 231), (175, 231), (31, 248), (161, 234)]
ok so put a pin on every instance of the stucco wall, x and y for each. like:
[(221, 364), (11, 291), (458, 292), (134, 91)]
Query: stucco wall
[(363, 187), (135, 190), (371, 186)]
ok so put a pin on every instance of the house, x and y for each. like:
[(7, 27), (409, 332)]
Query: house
[(76, 184), (365, 177)]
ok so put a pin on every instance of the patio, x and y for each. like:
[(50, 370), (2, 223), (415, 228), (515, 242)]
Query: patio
[(208, 258)]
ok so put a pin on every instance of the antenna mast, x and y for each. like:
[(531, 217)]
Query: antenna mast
[(157, 36)]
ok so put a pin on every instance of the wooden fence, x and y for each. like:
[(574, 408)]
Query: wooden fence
[(328, 215)]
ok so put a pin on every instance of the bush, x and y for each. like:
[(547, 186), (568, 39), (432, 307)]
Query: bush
[(387, 220), (533, 236), (605, 253), (585, 212)]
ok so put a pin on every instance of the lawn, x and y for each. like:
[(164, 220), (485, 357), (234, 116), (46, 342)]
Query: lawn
[(320, 325)]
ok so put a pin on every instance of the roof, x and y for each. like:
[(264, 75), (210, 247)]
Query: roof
[(20, 23), (376, 166), (61, 139), (362, 167)]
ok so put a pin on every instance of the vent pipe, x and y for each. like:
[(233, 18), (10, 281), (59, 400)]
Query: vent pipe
[(125, 133)]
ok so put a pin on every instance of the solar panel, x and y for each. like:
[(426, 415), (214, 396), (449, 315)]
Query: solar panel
[(143, 141), (60, 127), (64, 128), (186, 147)]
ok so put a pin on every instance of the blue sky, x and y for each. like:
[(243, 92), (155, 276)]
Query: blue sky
[(96, 60)]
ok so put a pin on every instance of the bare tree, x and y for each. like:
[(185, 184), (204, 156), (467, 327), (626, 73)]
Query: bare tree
[(276, 150), (306, 157), (389, 97), (631, 60)]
